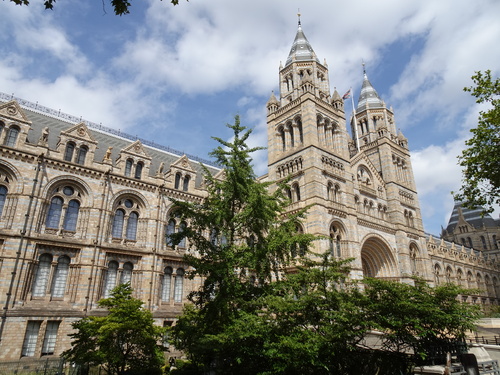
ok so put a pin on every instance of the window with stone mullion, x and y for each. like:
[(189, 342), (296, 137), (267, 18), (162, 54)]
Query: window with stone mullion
[(30, 339), (49, 341)]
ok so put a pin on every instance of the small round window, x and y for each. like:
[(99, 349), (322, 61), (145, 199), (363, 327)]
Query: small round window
[(128, 203), (68, 190)]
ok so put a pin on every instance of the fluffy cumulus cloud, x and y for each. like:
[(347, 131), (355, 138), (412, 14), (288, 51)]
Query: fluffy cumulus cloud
[(177, 74)]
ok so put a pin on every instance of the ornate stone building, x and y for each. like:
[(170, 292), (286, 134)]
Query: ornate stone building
[(83, 208)]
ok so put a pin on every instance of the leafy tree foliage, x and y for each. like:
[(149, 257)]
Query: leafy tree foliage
[(268, 306), (120, 7), (124, 342), (417, 318), (481, 159), (242, 239)]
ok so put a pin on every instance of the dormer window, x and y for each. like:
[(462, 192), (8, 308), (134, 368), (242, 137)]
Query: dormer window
[(11, 138), (128, 167), (82, 154), (68, 153), (185, 186), (177, 180), (138, 170)]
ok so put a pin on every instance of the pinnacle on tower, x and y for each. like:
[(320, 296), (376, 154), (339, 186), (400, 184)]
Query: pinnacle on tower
[(368, 98), (301, 48)]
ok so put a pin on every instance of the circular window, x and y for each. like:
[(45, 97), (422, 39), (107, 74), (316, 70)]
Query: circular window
[(128, 203), (68, 190)]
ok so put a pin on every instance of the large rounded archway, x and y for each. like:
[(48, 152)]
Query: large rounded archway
[(377, 259)]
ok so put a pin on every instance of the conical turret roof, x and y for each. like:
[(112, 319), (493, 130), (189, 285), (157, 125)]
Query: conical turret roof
[(368, 98), (301, 49)]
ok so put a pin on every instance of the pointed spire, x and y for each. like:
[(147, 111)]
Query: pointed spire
[(368, 98), (301, 49)]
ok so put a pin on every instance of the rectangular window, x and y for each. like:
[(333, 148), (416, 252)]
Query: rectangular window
[(49, 341), (30, 339)]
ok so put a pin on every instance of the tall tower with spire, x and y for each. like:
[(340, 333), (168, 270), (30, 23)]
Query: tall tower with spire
[(360, 190)]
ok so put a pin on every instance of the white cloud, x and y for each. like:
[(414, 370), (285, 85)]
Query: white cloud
[(204, 48)]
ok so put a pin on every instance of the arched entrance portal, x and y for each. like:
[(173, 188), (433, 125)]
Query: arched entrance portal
[(377, 259)]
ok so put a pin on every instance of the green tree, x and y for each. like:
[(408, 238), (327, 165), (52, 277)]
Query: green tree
[(125, 341), (241, 238), (120, 7), (417, 318), (481, 159)]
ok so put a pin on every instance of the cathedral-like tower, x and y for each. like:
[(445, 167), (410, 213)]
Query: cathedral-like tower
[(360, 190)]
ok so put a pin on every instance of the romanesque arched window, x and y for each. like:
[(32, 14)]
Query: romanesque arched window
[(281, 135), (126, 276), (177, 181), (3, 198), (296, 248), (110, 278), (64, 208), (336, 240), (60, 277), (175, 225), (166, 284), (82, 154), (185, 184), (11, 137), (179, 285), (460, 277), (437, 274), (128, 167), (68, 152), (483, 242), (138, 170), (449, 274), (126, 217), (42, 275), (296, 192), (414, 259)]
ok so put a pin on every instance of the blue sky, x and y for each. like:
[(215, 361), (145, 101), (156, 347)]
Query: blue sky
[(177, 75)]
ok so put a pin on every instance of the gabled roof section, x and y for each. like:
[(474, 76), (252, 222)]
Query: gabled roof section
[(474, 217), (301, 49), (13, 111), (183, 163), (368, 98), (137, 148), (79, 131)]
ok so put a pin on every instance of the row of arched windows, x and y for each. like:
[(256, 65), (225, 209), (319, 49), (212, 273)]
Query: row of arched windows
[(369, 207), (291, 134), (486, 284), (51, 278)]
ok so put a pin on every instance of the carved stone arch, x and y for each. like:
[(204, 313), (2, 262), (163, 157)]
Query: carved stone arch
[(415, 258), (15, 178), (449, 274), (461, 280), (87, 198), (337, 239), (489, 286), (141, 199), (438, 272), (377, 258)]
